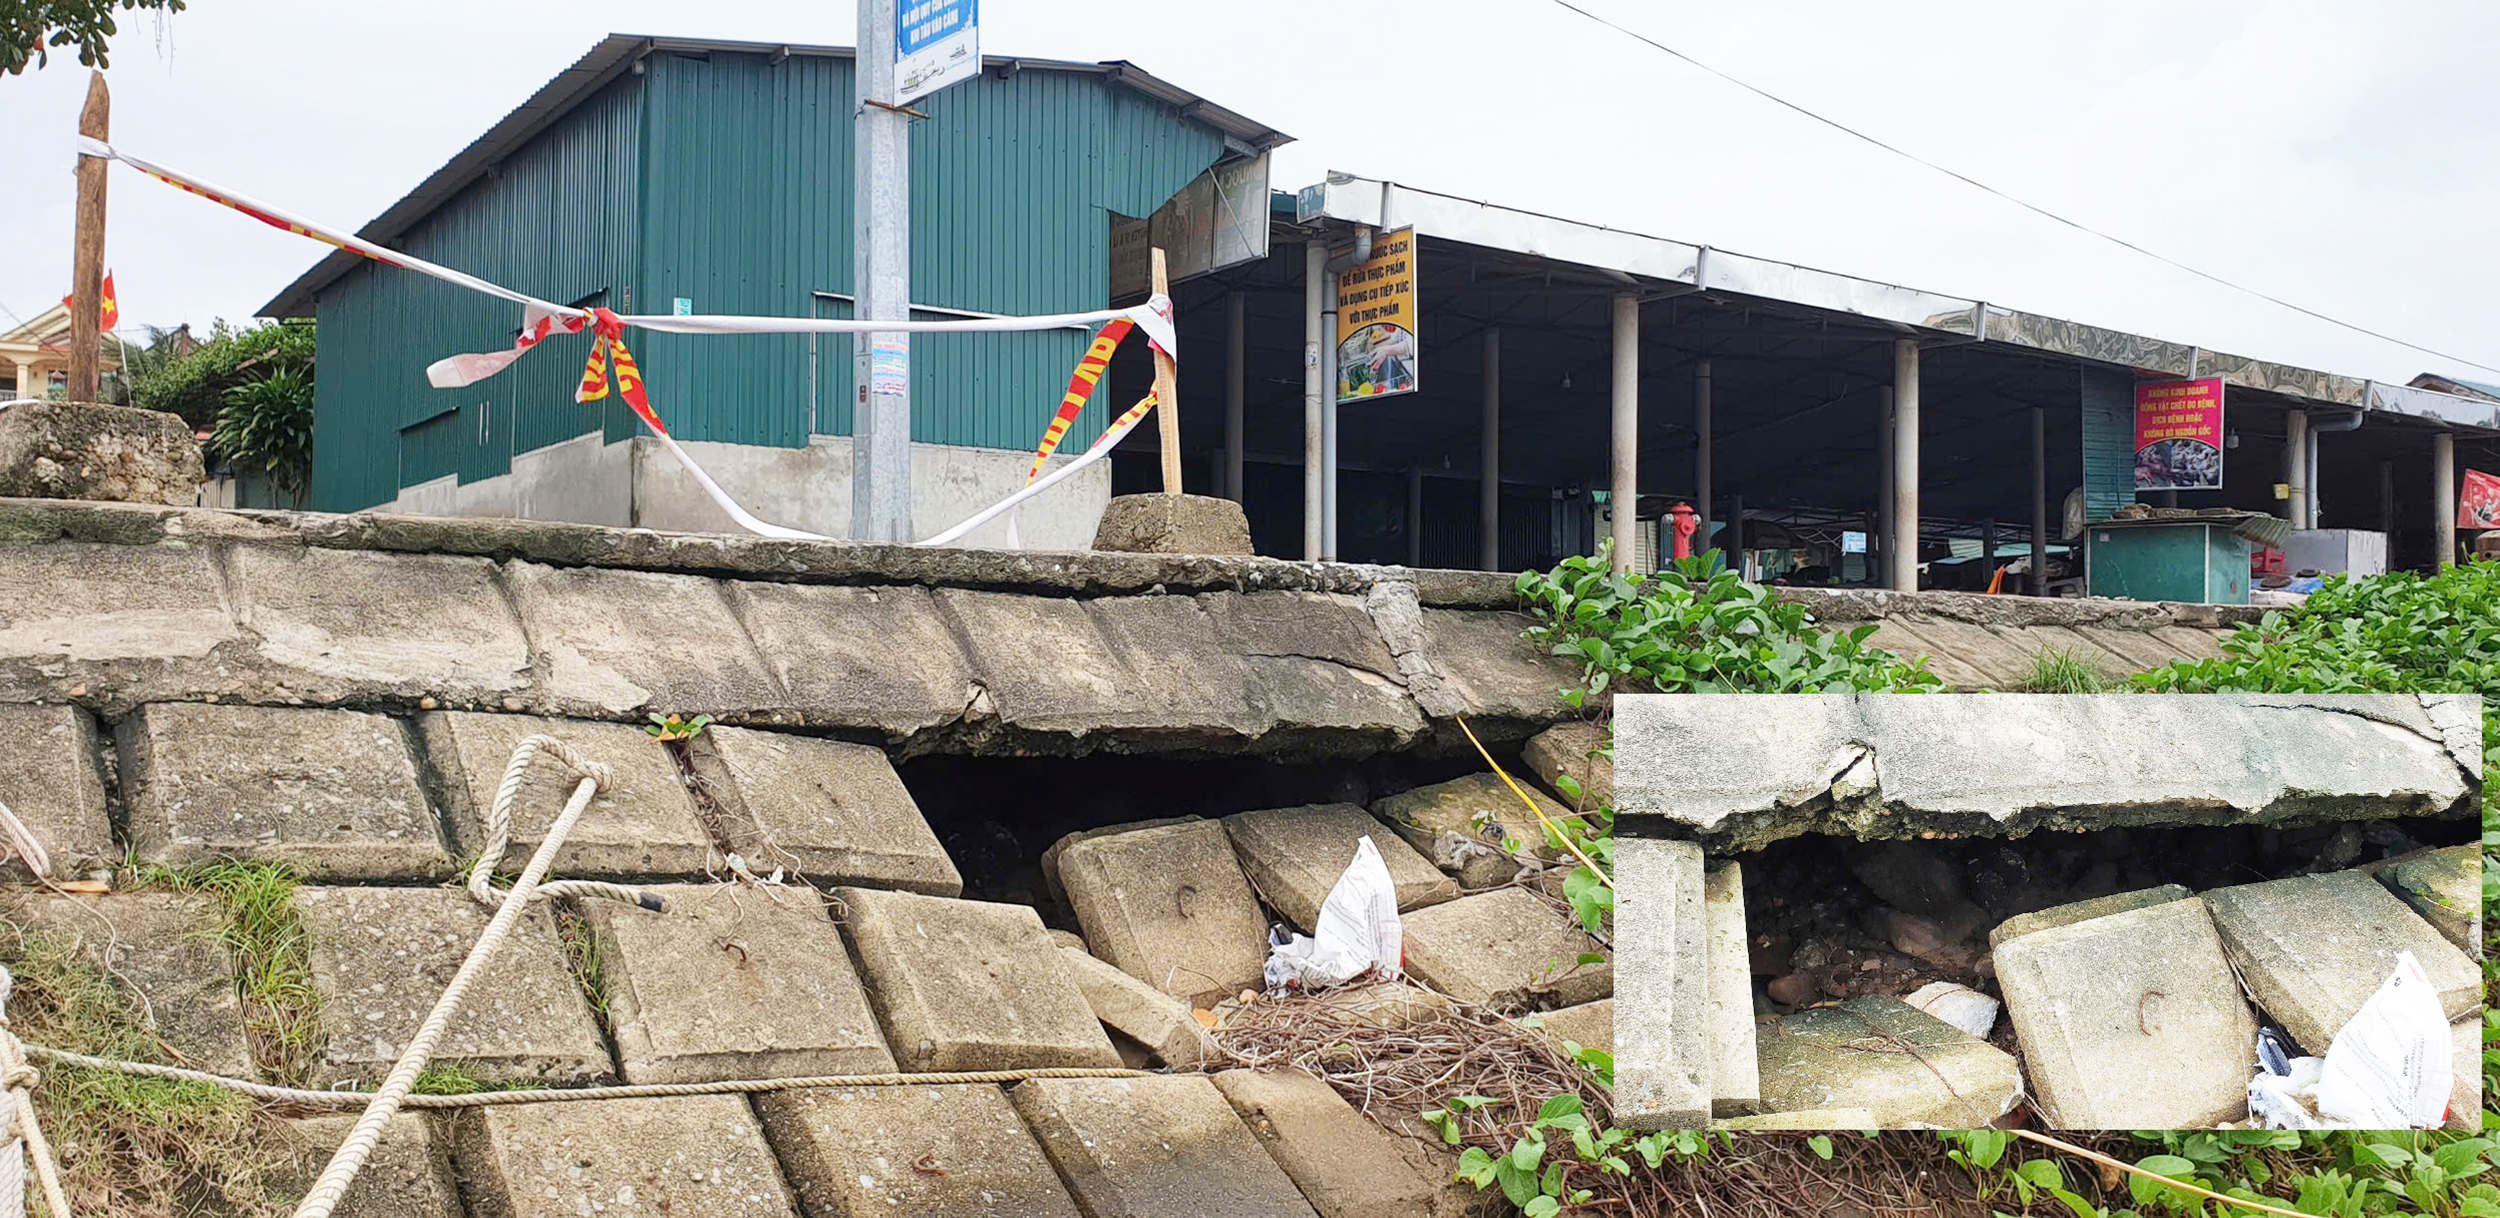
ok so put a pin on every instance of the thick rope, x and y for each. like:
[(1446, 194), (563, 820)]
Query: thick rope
[(332, 1186), (23, 845), (20, 1079), (498, 829), (549, 1095)]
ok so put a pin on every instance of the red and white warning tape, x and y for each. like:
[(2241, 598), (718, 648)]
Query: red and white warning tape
[(541, 320)]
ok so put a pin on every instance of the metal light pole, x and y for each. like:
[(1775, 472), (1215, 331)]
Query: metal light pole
[(881, 286)]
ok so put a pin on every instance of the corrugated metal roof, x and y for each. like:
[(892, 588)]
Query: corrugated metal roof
[(615, 55)]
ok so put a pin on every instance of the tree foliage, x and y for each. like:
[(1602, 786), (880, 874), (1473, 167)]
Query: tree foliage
[(29, 29), (267, 427), (194, 386)]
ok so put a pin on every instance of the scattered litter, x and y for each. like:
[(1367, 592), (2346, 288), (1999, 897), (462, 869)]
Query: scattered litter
[(1358, 931), (1959, 1005), (2387, 1068)]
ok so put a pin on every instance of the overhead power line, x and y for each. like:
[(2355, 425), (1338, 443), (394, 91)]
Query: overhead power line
[(2034, 208)]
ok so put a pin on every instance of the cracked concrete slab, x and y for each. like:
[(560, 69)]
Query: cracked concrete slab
[(1852, 1056), (339, 625), (642, 824), (877, 658), (955, 1151), (50, 779), (1155, 1147), (2313, 948), (1740, 771), (831, 811), (615, 644)]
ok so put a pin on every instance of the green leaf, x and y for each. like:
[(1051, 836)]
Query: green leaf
[(1821, 1144), (1541, 1207)]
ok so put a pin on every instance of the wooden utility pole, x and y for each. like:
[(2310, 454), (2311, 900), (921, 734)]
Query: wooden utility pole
[(86, 285), (1167, 390)]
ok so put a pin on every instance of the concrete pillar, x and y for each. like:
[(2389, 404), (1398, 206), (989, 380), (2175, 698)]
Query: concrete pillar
[(1415, 517), (1879, 541), (2296, 467), (29, 382), (2444, 496), (1236, 388), (2039, 501), (1627, 425), (1905, 465), (1489, 458), (1314, 289), (1701, 452)]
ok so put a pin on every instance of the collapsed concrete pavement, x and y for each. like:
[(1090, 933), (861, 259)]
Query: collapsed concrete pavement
[(2136, 1009)]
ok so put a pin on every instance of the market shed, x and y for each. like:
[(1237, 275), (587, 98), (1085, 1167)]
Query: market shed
[(715, 177)]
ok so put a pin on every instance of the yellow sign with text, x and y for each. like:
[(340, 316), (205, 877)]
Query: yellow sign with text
[(1376, 346)]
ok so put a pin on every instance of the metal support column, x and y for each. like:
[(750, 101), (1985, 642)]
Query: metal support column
[(1415, 516), (1905, 465), (1701, 453), (1314, 291), (1328, 416), (2039, 501), (1236, 387), (2444, 496), (881, 275), (1626, 496), (1880, 540), (1489, 457), (2296, 467)]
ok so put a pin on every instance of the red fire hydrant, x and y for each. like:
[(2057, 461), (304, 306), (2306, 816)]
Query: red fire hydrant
[(1686, 523)]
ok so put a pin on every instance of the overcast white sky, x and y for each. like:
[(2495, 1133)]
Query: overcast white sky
[(2341, 155)]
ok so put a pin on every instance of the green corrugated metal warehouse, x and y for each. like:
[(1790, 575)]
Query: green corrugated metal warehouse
[(661, 170)]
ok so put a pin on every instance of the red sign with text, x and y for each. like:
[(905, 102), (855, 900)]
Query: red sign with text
[(2178, 435), (2478, 501)]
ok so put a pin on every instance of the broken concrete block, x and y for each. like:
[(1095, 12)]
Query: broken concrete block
[(408, 1174), (88, 450), (1293, 856), (1165, 1026), (1173, 524), (1664, 1077), (2130, 1020), (1735, 1079), (969, 985), (1346, 1165), (350, 625), (732, 982), (1810, 1118), (1461, 826), (695, 1154), (2082, 911), (2313, 948), (1590, 1025), (616, 644), (1859, 1055), (955, 1151), (1506, 948), (1504, 686), (830, 811), (380, 958), (2446, 888), (641, 824), (120, 625), (330, 792), (2465, 1093), (1050, 856), (2458, 718), (1742, 773), (1316, 671), (877, 658), (162, 947), (48, 777), (1143, 668), (1170, 906), (1573, 750), (1155, 1147)]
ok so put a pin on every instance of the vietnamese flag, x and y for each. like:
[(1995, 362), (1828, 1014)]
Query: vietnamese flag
[(108, 311)]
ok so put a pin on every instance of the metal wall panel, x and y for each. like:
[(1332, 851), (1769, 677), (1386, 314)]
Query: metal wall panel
[(2108, 399)]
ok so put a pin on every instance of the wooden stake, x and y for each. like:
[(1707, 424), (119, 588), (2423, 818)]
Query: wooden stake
[(86, 285), (1168, 391)]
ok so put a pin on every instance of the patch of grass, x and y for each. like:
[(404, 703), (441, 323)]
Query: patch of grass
[(455, 1078), (130, 1145), (273, 961), (2057, 670), (582, 952)]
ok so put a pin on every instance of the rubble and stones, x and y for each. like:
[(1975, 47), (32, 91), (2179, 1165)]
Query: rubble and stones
[(1172, 524), (1344, 1163), (1462, 826), (1508, 948), (88, 450)]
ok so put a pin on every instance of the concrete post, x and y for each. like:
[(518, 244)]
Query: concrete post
[(881, 275), (2296, 467), (1880, 541), (1314, 369), (2444, 496), (1701, 452), (1905, 465), (1627, 426), (1489, 457), (1236, 387), (1415, 516), (29, 382), (1328, 418), (2039, 501)]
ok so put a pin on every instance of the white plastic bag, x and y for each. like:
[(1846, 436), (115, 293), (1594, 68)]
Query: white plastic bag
[(2389, 1065), (1358, 930)]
